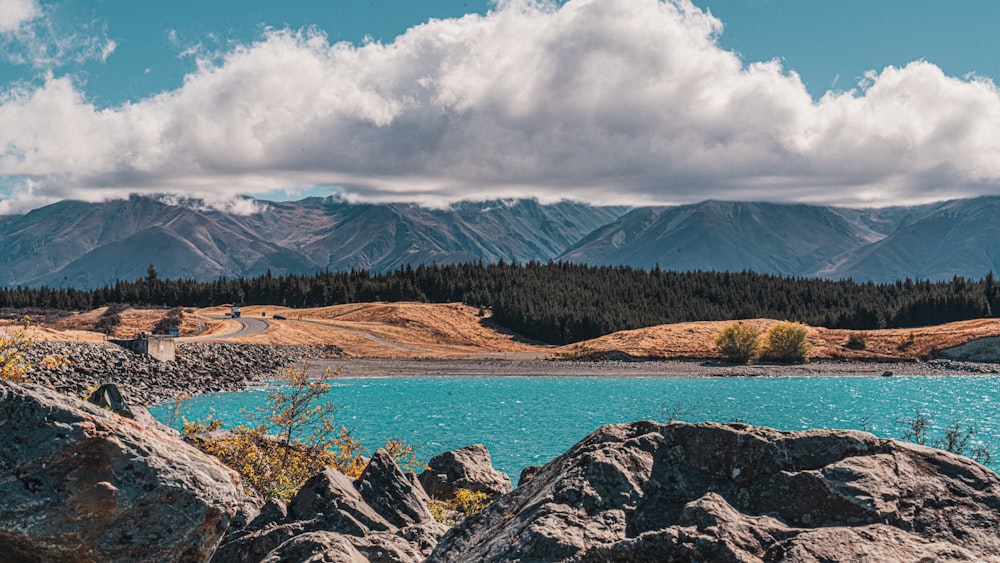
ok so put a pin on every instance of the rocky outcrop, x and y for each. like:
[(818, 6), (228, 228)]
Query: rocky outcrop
[(466, 468), (80, 483), (711, 492), (381, 516), (979, 350), (200, 367)]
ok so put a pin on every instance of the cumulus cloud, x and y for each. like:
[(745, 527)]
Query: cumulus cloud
[(15, 13), (610, 101)]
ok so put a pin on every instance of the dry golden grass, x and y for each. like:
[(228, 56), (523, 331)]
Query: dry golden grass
[(453, 331), (695, 340), (414, 330), (133, 322)]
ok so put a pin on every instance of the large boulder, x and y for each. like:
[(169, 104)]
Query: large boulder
[(381, 516), (386, 489), (80, 483), (466, 468), (711, 492)]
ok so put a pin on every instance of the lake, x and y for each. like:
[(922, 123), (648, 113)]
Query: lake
[(529, 420)]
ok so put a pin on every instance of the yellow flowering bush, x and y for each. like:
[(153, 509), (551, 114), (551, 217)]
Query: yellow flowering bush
[(295, 437)]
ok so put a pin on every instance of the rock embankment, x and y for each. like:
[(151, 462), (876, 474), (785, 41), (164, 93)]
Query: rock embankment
[(711, 492), (202, 367)]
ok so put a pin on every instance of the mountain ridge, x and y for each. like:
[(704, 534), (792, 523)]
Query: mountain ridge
[(85, 245)]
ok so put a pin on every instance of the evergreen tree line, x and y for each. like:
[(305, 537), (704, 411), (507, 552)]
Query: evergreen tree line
[(563, 303)]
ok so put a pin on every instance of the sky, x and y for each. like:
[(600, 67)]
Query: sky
[(634, 102)]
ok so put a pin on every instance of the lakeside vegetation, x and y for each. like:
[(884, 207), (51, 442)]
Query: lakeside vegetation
[(562, 303)]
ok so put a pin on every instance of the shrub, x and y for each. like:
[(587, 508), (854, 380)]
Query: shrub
[(14, 365), (295, 438), (787, 343), (738, 343), (856, 341), (465, 503), (956, 439), (110, 319), (173, 319), (14, 347)]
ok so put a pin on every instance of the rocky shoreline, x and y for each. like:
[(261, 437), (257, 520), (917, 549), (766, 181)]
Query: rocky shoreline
[(211, 367), (79, 482), (650, 368), (202, 367)]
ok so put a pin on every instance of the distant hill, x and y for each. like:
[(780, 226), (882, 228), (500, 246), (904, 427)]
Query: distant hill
[(77, 244)]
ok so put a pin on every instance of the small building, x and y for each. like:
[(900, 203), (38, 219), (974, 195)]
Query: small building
[(156, 346)]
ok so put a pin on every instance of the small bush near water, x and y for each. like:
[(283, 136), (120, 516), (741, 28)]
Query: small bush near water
[(738, 343), (787, 343)]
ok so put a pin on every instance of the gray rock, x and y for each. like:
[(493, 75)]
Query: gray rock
[(81, 483), (528, 473), (382, 516), (710, 492), (466, 468), (107, 396), (330, 497), (200, 367), (386, 489), (331, 547), (316, 547)]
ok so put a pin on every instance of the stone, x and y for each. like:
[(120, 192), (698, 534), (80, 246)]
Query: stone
[(200, 367), (318, 547), (528, 473), (81, 483), (108, 397), (381, 516), (465, 468), (712, 492), (330, 497), (386, 489)]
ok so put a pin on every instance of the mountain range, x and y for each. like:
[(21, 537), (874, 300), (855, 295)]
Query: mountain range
[(79, 244)]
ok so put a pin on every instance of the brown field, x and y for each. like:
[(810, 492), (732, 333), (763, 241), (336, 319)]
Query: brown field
[(456, 331), (133, 322), (695, 340)]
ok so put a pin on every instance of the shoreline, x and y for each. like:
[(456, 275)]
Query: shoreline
[(379, 368)]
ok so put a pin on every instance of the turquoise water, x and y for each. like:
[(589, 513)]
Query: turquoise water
[(529, 420)]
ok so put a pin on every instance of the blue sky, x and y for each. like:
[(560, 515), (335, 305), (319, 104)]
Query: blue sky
[(611, 101)]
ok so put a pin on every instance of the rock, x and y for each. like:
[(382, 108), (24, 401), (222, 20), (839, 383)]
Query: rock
[(386, 489), (108, 397), (81, 483), (527, 473), (200, 367), (711, 492), (326, 547), (382, 516), (466, 468), (330, 496)]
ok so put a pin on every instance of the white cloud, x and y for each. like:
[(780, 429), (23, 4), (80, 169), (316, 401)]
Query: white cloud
[(15, 13), (29, 35), (601, 100)]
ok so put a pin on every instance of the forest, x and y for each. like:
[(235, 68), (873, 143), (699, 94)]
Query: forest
[(561, 303)]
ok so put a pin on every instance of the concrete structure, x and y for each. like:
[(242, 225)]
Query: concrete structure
[(162, 348)]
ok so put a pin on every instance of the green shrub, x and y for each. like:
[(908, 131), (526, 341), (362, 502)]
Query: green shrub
[(787, 343), (856, 341), (738, 343)]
